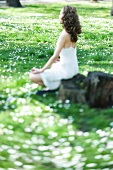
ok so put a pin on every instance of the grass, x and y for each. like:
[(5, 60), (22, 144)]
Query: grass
[(42, 132)]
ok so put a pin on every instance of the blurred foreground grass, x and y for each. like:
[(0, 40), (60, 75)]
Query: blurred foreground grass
[(42, 133)]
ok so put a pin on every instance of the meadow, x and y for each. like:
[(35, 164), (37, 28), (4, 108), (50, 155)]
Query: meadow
[(41, 132)]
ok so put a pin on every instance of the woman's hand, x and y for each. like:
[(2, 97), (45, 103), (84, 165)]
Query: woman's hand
[(36, 70)]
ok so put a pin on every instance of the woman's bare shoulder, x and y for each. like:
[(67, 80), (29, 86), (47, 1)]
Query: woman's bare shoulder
[(64, 34)]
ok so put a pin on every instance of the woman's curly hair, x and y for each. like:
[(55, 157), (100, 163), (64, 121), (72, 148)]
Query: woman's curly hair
[(71, 23)]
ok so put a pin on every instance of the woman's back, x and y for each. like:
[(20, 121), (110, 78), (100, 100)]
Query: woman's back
[(68, 42), (68, 61)]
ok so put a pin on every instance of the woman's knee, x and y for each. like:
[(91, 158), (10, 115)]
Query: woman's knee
[(35, 78), (31, 77)]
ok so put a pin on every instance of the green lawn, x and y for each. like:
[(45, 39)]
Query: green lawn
[(41, 132)]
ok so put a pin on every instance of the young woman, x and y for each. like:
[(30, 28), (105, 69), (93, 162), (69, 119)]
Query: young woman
[(51, 74)]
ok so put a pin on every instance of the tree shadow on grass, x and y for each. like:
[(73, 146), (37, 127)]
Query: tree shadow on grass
[(82, 116)]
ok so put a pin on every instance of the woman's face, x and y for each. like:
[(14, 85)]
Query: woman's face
[(61, 15)]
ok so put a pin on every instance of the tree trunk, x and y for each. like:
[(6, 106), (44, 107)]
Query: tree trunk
[(96, 89), (94, 0), (13, 3), (112, 9), (112, 12)]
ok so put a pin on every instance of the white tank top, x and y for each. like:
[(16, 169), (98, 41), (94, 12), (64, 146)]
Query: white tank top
[(68, 61)]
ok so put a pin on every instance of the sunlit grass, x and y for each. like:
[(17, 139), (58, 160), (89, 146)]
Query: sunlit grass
[(42, 132)]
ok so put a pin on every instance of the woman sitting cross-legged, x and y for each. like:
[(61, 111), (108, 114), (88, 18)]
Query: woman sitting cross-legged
[(51, 74)]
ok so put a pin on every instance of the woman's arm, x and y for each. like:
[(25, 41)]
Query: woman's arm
[(60, 44)]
